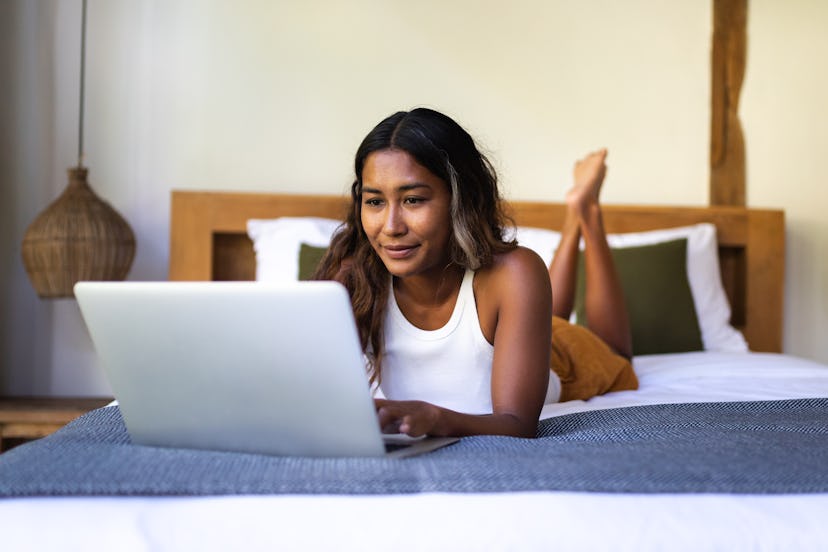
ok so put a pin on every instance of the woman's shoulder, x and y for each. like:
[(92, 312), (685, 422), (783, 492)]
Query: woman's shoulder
[(516, 281), (518, 259), (513, 268)]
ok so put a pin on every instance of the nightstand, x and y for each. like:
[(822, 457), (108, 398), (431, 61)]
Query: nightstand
[(26, 418)]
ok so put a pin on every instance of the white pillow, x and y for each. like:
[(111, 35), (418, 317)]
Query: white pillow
[(709, 298), (277, 243)]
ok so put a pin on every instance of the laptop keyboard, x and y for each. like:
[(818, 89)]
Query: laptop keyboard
[(391, 447)]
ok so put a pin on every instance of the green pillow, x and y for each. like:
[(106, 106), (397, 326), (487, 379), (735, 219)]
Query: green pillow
[(659, 301), (309, 258)]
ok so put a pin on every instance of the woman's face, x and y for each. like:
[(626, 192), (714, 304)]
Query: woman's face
[(406, 214)]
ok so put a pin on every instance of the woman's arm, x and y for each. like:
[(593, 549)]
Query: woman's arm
[(514, 303)]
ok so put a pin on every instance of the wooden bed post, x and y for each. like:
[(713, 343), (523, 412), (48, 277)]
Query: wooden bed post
[(727, 146)]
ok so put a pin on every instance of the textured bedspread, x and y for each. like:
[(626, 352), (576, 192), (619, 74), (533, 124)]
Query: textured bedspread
[(736, 447)]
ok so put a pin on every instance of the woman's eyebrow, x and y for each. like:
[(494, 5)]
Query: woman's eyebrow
[(412, 186), (401, 188)]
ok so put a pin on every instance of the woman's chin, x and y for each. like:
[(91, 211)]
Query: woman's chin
[(399, 270)]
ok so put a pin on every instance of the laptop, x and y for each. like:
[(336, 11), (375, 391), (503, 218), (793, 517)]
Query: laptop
[(239, 366)]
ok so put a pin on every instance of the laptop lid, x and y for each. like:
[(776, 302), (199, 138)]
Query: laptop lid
[(241, 366)]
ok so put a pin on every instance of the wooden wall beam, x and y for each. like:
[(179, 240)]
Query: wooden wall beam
[(727, 146)]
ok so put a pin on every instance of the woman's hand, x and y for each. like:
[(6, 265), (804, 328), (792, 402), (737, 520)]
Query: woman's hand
[(414, 418)]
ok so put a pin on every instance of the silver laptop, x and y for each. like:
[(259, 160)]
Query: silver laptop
[(239, 366)]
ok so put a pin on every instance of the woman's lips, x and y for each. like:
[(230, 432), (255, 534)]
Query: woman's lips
[(399, 251)]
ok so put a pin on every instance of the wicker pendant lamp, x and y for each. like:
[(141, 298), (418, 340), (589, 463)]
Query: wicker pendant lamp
[(78, 236)]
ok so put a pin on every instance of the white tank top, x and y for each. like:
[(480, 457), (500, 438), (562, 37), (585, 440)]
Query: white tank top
[(450, 367)]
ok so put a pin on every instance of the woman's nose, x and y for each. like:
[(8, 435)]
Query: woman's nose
[(394, 222)]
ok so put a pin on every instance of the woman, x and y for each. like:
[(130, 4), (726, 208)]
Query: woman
[(455, 320)]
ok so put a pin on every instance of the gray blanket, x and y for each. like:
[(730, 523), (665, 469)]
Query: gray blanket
[(740, 447)]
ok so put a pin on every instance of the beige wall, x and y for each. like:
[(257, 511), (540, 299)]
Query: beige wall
[(785, 113), (261, 95)]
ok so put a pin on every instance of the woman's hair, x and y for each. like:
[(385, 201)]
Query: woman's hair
[(439, 144)]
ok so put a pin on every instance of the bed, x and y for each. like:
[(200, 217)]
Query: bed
[(728, 488)]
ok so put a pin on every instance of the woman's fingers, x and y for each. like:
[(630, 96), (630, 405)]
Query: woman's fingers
[(409, 417)]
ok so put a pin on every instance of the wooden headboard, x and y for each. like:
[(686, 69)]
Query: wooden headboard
[(208, 241)]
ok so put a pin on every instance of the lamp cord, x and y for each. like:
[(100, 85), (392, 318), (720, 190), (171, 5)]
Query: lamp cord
[(82, 81)]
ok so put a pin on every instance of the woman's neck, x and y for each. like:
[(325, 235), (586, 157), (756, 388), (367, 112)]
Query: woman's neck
[(428, 302), (431, 289)]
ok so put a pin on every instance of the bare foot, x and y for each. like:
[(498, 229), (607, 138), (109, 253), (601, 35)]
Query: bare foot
[(589, 175)]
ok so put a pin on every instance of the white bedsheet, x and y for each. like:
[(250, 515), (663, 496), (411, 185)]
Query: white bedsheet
[(436, 521), (711, 377)]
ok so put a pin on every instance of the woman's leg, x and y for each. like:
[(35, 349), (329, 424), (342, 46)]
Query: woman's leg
[(606, 311), (563, 269)]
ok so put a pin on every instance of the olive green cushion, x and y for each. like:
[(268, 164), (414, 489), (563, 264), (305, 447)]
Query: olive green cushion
[(309, 258), (659, 301)]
